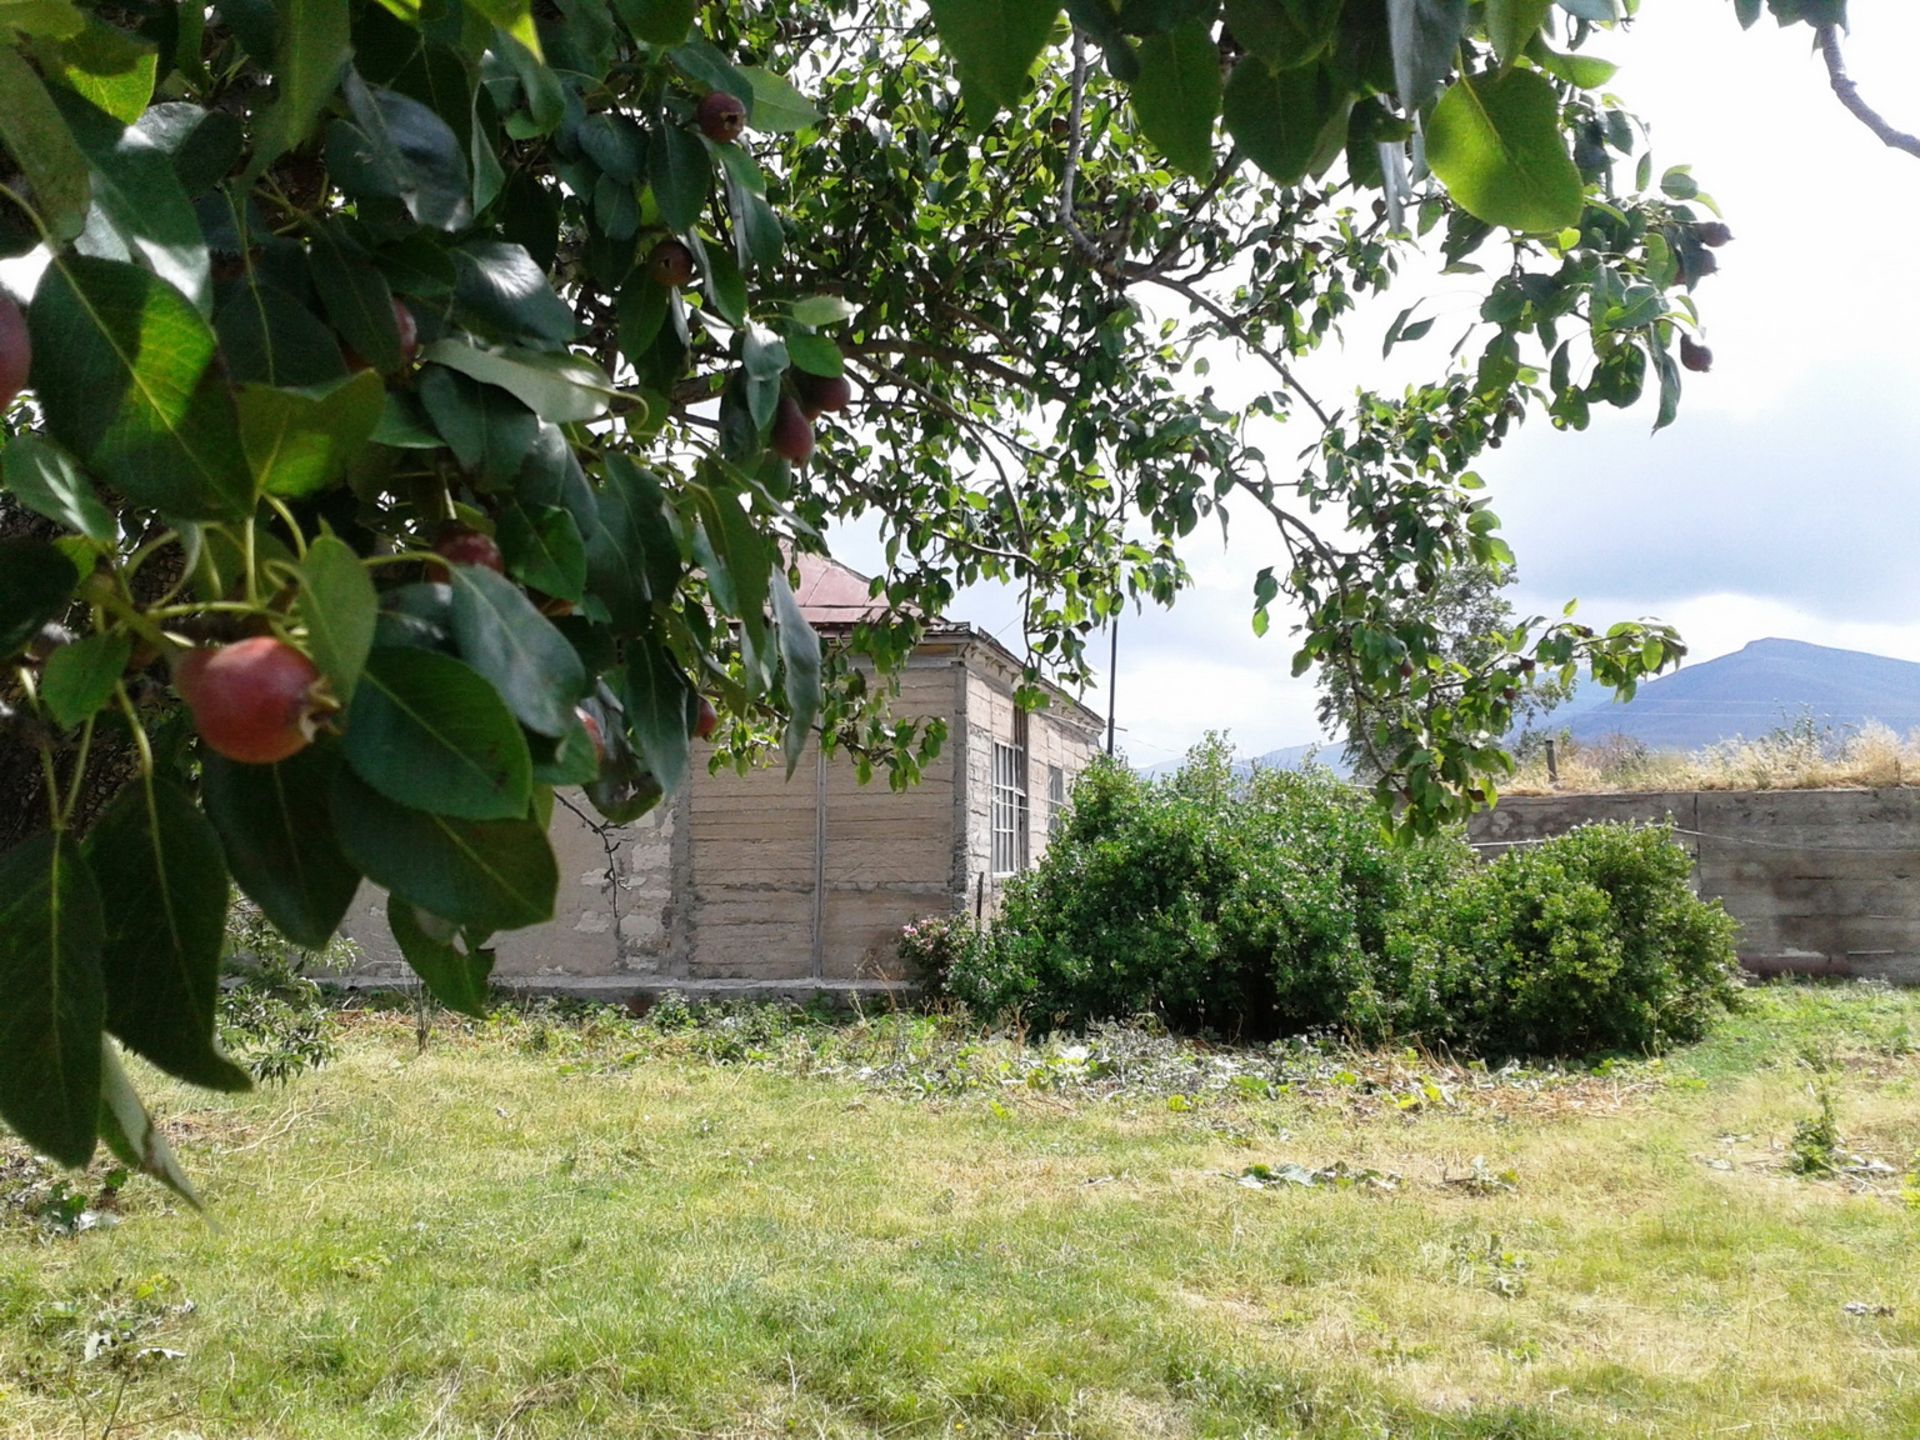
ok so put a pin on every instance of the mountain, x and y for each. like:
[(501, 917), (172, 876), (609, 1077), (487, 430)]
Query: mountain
[(1768, 684), (1290, 757)]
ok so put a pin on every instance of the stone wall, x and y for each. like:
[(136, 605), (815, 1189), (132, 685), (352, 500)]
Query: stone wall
[(1823, 882), (614, 916)]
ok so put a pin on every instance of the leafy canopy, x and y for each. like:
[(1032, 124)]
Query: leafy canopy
[(458, 349)]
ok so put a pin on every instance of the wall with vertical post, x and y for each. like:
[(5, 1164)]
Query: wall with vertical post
[(1823, 882)]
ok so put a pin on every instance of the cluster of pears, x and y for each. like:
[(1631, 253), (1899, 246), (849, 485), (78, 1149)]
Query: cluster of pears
[(721, 118)]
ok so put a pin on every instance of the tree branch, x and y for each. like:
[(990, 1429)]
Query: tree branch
[(1849, 95), (954, 355)]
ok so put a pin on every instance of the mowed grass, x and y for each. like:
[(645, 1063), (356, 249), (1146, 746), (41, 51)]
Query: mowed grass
[(531, 1230)]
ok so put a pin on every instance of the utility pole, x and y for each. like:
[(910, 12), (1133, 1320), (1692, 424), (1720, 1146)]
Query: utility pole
[(1113, 676)]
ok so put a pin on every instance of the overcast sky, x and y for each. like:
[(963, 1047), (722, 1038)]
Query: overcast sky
[(1782, 503)]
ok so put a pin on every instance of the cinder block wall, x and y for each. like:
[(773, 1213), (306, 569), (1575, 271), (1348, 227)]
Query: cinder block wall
[(1823, 882), (615, 914)]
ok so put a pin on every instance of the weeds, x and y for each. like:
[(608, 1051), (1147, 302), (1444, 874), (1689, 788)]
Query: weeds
[(274, 1018), (1815, 1147), (1797, 755)]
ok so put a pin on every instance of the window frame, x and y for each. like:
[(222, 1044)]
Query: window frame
[(1010, 816)]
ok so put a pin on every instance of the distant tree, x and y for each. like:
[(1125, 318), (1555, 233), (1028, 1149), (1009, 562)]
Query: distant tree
[(1463, 627)]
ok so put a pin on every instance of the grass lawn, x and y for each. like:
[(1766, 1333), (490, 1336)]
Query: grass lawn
[(543, 1228)]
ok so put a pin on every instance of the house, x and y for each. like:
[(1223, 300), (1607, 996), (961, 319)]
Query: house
[(757, 884)]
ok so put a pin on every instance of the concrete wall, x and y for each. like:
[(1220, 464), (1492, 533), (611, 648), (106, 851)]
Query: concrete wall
[(1823, 882), (615, 913)]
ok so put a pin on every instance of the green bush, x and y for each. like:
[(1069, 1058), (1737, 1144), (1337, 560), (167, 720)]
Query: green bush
[(1274, 904), (1590, 941), (933, 945)]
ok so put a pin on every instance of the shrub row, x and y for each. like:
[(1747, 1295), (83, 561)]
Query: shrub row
[(1267, 905)]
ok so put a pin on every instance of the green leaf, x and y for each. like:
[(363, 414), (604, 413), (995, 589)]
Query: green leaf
[(513, 645), (815, 354), (455, 977), (315, 45), (1285, 120), (551, 475), (758, 239), (138, 194), (726, 286), (544, 549), (643, 312), (430, 732), (36, 585), (703, 63), (656, 695), (777, 108), (398, 149), (631, 554), (203, 145), (1588, 72), (277, 829), (821, 310), (1669, 373), (489, 431), (79, 678), (108, 67), (658, 22), (61, 190), (680, 175), (516, 18), (1178, 94), (561, 388), (131, 1134), (126, 372), (1284, 33), (502, 290), (800, 652), (1426, 36), (42, 477), (56, 19), (483, 150), (356, 297), (300, 442), (267, 337), (615, 143), (735, 554), (487, 875), (165, 930), (994, 44), (1496, 145), (256, 25), (546, 97), (51, 931), (1513, 25), (340, 608)]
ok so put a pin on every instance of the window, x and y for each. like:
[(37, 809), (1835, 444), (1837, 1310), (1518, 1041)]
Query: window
[(1010, 800), (1056, 800)]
